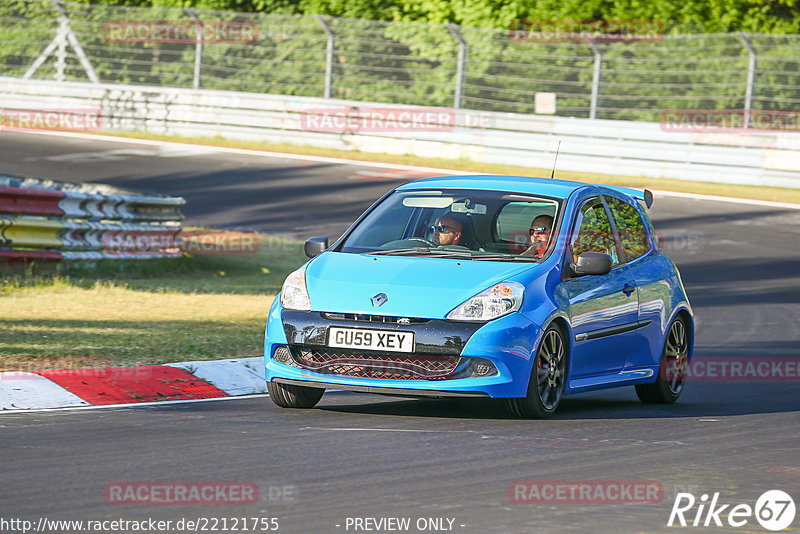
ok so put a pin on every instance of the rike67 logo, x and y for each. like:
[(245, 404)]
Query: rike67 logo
[(774, 510)]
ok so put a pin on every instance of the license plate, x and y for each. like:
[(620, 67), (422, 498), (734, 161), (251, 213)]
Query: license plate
[(363, 338)]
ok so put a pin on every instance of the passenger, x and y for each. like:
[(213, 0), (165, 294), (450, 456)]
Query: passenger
[(539, 232), (447, 231)]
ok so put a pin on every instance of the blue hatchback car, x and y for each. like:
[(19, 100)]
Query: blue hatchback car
[(525, 289)]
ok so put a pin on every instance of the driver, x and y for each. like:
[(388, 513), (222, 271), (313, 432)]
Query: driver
[(447, 231), (540, 230)]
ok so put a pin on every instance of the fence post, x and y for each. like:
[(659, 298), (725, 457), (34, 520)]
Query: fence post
[(198, 47), (41, 58), (461, 65), (328, 55), (87, 67), (751, 77), (61, 53), (598, 64), (64, 36)]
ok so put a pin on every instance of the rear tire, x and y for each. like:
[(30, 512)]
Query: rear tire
[(548, 376), (291, 396), (673, 368)]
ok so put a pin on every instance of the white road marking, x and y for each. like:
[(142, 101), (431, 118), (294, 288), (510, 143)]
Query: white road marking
[(250, 152), (374, 164), (23, 391), (422, 431), (610, 441), (99, 155), (238, 376), (131, 404)]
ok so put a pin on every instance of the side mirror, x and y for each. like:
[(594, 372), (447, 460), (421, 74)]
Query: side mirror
[(648, 198), (596, 263), (315, 246)]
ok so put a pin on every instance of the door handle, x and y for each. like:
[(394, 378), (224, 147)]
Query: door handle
[(628, 289)]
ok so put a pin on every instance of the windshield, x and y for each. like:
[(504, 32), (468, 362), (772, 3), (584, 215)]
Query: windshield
[(458, 223)]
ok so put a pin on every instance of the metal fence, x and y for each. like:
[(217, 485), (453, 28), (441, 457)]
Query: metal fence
[(403, 63)]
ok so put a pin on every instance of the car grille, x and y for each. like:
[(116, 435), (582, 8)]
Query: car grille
[(391, 366), (367, 318)]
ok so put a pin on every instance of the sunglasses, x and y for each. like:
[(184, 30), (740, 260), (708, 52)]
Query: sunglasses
[(442, 228), (537, 230)]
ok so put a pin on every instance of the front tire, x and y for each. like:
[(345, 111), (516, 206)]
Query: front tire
[(547, 380), (673, 368), (291, 396)]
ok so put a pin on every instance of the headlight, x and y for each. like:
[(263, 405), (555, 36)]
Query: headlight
[(498, 300), (294, 295)]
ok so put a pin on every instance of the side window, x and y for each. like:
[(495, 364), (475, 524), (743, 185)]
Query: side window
[(632, 232), (514, 221), (593, 232)]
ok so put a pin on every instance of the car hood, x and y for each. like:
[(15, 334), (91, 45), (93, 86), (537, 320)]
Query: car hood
[(415, 286)]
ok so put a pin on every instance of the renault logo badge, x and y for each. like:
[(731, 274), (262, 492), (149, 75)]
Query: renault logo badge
[(379, 299)]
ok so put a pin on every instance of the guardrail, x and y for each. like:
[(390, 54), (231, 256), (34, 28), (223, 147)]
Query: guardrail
[(46, 220), (748, 157)]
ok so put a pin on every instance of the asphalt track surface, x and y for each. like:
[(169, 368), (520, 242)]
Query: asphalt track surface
[(359, 455)]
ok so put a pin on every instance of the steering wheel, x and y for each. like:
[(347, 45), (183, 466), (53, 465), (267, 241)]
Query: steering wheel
[(421, 241), (411, 242)]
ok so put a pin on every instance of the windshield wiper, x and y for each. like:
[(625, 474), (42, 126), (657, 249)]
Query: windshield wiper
[(424, 251), (401, 251), (503, 257), (452, 254), (437, 253)]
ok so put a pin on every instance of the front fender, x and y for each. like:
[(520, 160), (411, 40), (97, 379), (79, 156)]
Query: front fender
[(274, 333)]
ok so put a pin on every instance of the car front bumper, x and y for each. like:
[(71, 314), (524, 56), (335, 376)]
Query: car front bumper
[(506, 344)]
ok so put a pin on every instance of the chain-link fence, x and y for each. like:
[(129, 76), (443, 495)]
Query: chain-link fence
[(405, 63)]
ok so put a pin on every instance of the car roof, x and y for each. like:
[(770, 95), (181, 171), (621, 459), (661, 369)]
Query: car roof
[(490, 182), (521, 184)]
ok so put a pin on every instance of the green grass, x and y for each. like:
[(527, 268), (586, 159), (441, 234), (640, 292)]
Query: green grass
[(133, 313)]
